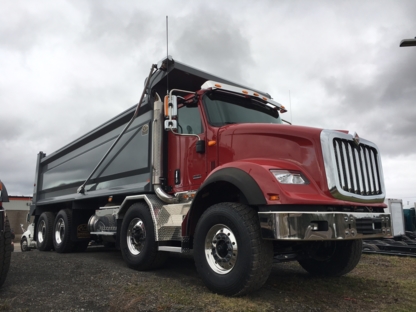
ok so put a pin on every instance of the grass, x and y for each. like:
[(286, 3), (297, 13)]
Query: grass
[(5, 305), (378, 283)]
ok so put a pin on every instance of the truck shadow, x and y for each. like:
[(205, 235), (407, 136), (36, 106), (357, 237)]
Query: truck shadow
[(287, 281)]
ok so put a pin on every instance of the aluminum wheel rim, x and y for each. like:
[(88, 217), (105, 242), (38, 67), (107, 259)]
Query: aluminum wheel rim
[(221, 249), (59, 231), (41, 231), (136, 236)]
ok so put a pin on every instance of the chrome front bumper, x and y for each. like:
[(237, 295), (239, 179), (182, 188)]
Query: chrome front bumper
[(311, 226)]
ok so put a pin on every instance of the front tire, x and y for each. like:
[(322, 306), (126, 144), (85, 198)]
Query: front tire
[(230, 255), (332, 258), (44, 231), (138, 243), (24, 245), (62, 232)]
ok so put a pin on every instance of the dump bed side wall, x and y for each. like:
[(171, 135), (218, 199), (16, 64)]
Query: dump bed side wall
[(126, 170)]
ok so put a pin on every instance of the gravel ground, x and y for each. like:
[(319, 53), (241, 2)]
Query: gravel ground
[(99, 280), (89, 281)]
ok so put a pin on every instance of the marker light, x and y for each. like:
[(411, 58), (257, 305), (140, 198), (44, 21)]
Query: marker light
[(289, 177), (269, 102), (166, 106)]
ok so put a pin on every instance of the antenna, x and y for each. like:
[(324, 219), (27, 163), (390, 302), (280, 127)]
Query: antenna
[(290, 107), (167, 54)]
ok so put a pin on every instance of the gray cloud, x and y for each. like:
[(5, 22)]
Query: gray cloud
[(215, 41), (384, 107)]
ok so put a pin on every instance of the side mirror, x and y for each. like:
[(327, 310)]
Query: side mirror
[(171, 112), (200, 146)]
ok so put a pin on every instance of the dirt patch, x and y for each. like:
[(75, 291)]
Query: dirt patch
[(99, 280)]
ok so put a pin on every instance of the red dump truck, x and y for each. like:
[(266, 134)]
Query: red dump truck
[(207, 165)]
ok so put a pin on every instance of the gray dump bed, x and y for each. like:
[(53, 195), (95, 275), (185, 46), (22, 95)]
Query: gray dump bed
[(126, 170)]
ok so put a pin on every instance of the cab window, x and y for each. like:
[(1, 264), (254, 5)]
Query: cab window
[(189, 120)]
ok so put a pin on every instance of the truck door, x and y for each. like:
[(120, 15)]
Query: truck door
[(186, 167)]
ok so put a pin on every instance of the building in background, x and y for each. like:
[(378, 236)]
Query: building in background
[(17, 209)]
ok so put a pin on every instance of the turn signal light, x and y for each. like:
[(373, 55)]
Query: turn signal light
[(274, 197)]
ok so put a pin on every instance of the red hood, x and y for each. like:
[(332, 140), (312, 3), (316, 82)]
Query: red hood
[(278, 143)]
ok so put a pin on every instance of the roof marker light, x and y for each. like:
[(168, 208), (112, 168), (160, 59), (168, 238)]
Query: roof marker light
[(209, 84)]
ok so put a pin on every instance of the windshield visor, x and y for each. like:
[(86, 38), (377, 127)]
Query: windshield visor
[(224, 108)]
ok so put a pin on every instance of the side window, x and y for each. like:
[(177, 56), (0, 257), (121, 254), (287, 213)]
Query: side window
[(189, 120)]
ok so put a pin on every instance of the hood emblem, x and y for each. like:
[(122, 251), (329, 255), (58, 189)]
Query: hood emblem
[(355, 137)]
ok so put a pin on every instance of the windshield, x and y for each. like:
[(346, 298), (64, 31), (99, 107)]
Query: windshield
[(225, 108)]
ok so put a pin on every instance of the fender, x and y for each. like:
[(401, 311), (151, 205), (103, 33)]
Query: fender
[(229, 174), (239, 178)]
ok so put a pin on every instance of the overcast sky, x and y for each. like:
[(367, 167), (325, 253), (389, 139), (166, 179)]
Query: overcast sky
[(68, 66)]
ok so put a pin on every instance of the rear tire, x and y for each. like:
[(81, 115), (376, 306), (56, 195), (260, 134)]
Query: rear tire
[(332, 258), (44, 231), (5, 250), (62, 231), (137, 240), (230, 255)]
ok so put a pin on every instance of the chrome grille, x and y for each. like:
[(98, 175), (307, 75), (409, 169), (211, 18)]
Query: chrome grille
[(358, 170), (353, 171)]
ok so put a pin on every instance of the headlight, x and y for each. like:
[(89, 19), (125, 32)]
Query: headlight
[(289, 177)]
